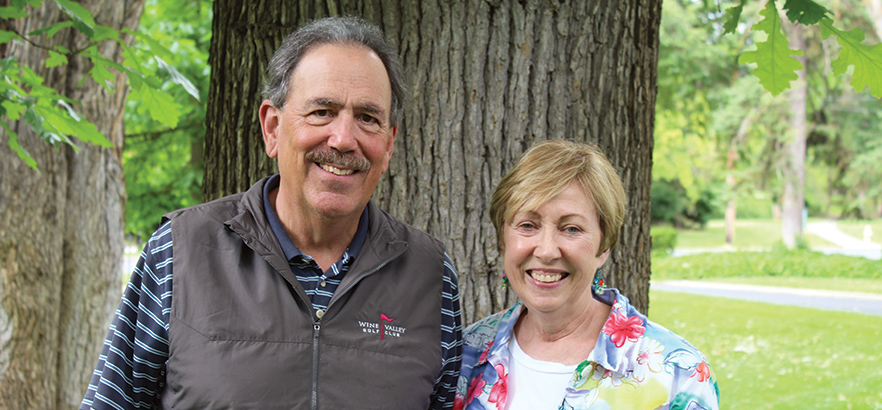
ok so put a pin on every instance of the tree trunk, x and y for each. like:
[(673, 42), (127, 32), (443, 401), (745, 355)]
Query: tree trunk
[(486, 80), (874, 8), (61, 232), (793, 168)]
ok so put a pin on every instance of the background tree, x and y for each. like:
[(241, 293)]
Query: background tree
[(61, 228), (163, 164), (486, 80)]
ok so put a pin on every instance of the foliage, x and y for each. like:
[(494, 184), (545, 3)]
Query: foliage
[(780, 357), (50, 114), (163, 165), (719, 132), (778, 262), (664, 238), (776, 69)]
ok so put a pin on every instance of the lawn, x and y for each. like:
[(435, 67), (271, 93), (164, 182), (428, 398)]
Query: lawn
[(856, 228), (750, 234), (779, 357)]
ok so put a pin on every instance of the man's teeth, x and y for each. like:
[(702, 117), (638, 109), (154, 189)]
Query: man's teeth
[(336, 171), (546, 278)]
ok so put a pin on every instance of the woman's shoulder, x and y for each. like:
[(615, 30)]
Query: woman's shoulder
[(484, 330)]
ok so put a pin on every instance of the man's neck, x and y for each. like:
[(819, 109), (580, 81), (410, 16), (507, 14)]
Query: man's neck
[(324, 239)]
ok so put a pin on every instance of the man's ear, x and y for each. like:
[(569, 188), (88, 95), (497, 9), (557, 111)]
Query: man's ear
[(390, 146), (270, 118)]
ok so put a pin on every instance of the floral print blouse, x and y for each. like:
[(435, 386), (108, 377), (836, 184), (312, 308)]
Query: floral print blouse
[(636, 365)]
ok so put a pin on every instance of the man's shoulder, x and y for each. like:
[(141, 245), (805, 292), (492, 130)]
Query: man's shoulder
[(405, 231), (220, 209)]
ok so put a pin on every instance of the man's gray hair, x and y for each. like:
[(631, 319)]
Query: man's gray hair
[(332, 30)]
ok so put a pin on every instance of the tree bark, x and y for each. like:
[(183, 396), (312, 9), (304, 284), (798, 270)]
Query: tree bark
[(793, 169), (61, 232), (486, 80)]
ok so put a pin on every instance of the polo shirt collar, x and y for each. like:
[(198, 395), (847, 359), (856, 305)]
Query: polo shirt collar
[(285, 241)]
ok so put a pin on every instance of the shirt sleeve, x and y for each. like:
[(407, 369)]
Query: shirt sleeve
[(451, 340), (130, 373)]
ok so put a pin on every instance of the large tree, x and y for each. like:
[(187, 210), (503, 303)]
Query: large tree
[(486, 80), (61, 227)]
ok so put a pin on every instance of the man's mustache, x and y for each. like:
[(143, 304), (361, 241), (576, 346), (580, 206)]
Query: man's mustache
[(337, 159)]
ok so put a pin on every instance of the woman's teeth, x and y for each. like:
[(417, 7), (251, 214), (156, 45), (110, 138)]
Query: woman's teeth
[(546, 277), (336, 171)]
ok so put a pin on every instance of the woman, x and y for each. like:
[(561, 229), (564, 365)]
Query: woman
[(570, 343)]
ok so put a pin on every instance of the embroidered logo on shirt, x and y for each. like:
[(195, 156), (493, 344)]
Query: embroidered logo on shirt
[(383, 327)]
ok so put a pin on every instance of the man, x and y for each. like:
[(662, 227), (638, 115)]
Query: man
[(300, 292)]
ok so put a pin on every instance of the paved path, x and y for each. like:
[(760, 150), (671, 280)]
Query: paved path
[(819, 299), (850, 245)]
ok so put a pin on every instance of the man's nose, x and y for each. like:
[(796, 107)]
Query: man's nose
[(342, 134)]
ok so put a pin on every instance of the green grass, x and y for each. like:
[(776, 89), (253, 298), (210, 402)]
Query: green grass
[(856, 228), (773, 356), (780, 357), (750, 234), (774, 263)]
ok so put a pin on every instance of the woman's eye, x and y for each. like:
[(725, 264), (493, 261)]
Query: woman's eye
[(572, 229), (526, 225)]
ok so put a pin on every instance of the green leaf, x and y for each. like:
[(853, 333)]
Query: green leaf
[(866, 60), (13, 110), (774, 66), (805, 12), (80, 16), (9, 13), (55, 59), (7, 36), (733, 14), (22, 154), (179, 78), (105, 33), (83, 130), (161, 106), (158, 49), (51, 30)]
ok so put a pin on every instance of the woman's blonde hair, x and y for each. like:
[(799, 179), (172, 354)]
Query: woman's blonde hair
[(545, 170)]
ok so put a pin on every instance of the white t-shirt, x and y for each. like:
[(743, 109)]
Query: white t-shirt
[(535, 384)]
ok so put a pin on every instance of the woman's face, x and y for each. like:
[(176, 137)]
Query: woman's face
[(549, 253)]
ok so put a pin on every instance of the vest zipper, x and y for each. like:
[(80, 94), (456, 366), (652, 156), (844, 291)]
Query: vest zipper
[(316, 327)]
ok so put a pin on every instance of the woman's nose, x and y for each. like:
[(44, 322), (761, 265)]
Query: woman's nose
[(547, 248)]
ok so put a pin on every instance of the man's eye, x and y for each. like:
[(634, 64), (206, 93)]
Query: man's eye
[(322, 113), (367, 118)]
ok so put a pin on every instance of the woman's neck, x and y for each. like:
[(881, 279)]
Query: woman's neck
[(566, 339)]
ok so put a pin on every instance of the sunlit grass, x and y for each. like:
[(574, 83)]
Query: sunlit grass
[(750, 234), (856, 228), (780, 357)]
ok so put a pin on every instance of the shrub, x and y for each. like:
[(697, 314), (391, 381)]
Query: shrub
[(778, 262), (669, 202), (664, 238)]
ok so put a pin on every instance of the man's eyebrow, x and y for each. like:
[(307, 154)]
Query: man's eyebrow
[(370, 109), (324, 102)]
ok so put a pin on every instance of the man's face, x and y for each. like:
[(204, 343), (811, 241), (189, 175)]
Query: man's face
[(333, 138)]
